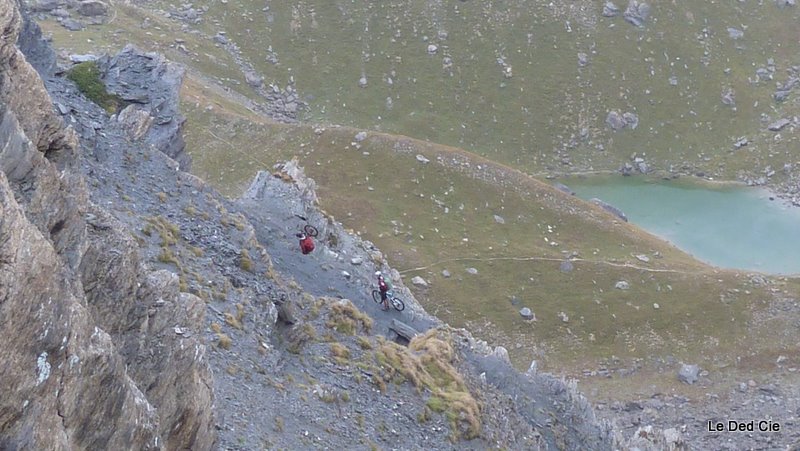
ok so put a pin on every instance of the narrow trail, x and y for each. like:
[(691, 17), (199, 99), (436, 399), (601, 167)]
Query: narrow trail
[(552, 259)]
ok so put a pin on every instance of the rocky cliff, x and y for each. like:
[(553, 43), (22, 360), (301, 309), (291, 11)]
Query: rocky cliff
[(87, 360)]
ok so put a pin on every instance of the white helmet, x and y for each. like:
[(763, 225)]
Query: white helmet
[(378, 273)]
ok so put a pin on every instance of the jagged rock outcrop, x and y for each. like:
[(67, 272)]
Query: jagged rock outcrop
[(91, 356), (151, 85)]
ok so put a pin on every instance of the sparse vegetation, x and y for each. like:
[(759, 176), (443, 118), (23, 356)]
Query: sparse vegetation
[(87, 78), (245, 262), (364, 343), (340, 353), (345, 318), (224, 341), (299, 336), (428, 364)]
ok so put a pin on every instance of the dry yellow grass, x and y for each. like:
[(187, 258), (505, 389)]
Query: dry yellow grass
[(428, 364), (345, 318)]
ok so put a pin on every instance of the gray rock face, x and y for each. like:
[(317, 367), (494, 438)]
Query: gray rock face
[(82, 58), (154, 85), (785, 3), (92, 8), (688, 373), (637, 13), (81, 267), (44, 5)]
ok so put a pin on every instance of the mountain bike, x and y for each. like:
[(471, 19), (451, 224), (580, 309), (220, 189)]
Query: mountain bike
[(310, 230), (397, 303)]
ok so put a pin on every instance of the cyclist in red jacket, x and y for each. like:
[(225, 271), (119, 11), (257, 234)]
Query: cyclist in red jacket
[(306, 243)]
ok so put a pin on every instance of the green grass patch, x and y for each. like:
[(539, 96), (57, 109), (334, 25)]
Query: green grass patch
[(88, 79)]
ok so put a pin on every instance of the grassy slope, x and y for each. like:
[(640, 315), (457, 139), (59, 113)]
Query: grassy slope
[(229, 144), (388, 197), (534, 120)]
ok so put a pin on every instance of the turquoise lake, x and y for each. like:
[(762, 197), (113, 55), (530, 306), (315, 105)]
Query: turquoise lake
[(726, 226)]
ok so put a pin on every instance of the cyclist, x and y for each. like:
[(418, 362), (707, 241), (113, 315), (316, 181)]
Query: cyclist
[(384, 285), (306, 243)]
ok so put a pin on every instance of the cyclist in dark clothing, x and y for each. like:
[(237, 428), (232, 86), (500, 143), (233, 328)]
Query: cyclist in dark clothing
[(384, 286)]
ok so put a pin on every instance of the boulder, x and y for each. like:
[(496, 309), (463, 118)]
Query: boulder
[(688, 373), (526, 313), (735, 33), (445, 274), (499, 219), (610, 10), (356, 261), (636, 13), (72, 24), (610, 208), (631, 120), (566, 266), (779, 125), (472, 271), (564, 188), (135, 121), (419, 281), (615, 120), (253, 79), (360, 136), (422, 159), (92, 8), (622, 285)]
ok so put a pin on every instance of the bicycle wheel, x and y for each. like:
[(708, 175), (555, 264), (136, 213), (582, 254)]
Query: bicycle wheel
[(376, 296), (310, 230), (398, 304)]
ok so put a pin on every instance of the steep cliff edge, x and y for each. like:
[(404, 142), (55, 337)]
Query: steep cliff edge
[(79, 311)]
